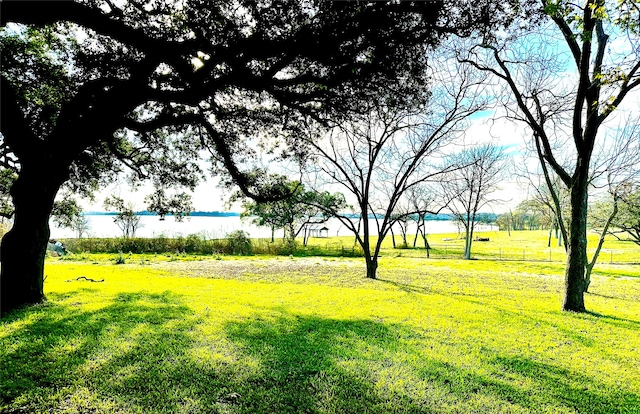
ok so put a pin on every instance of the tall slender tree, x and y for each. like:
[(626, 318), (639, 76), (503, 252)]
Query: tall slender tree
[(564, 80), (379, 157)]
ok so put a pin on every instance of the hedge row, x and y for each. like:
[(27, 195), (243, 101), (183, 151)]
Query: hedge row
[(236, 243)]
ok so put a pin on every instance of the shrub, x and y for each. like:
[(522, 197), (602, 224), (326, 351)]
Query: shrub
[(238, 242), (120, 259)]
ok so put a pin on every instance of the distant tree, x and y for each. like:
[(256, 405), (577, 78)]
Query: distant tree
[(67, 213), (424, 202), (126, 218), (294, 213), (531, 214), (480, 171), (81, 226), (402, 217), (160, 202), (417, 204), (505, 222)]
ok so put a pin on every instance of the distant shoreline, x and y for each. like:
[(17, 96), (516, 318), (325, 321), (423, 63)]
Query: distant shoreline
[(437, 217)]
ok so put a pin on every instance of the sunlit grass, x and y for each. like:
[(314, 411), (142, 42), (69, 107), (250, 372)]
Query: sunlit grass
[(287, 334)]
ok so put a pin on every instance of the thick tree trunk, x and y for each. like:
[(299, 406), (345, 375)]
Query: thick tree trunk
[(372, 267), (576, 250), (24, 247)]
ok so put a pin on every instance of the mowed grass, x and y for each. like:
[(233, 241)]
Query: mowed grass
[(312, 335)]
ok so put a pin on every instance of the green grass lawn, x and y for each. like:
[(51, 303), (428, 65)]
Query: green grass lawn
[(312, 335)]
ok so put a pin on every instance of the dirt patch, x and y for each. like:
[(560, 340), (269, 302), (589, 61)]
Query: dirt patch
[(234, 269)]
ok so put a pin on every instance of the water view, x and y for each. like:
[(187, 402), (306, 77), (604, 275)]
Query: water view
[(213, 227)]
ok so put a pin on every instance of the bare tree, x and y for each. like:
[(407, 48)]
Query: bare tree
[(424, 200), (469, 187), (81, 226), (126, 218), (547, 194), (616, 171), (401, 218), (564, 84), (378, 158)]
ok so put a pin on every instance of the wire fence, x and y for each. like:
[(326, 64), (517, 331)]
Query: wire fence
[(511, 253)]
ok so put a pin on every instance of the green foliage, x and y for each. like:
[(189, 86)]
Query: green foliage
[(239, 243), (67, 213), (33, 61), (195, 244), (294, 212), (120, 259), (179, 205), (7, 178), (191, 244)]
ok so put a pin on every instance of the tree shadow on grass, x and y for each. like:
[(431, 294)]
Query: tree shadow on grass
[(67, 348), (617, 321), (135, 354), (571, 389), (310, 364), (405, 287)]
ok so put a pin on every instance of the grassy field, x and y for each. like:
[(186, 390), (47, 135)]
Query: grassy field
[(185, 334), (517, 245)]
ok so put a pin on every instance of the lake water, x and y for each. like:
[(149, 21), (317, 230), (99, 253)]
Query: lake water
[(216, 227)]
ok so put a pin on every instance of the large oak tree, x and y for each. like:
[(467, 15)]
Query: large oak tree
[(90, 87)]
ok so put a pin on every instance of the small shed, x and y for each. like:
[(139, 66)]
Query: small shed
[(317, 231)]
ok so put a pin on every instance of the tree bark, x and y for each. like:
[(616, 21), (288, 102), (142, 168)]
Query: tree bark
[(576, 248), (468, 241), (23, 248), (372, 267)]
